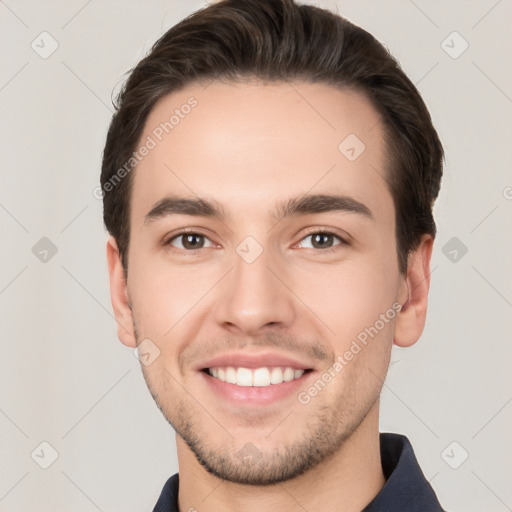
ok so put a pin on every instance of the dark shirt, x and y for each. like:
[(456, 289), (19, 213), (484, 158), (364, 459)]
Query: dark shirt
[(406, 489)]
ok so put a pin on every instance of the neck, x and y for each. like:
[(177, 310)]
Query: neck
[(346, 482)]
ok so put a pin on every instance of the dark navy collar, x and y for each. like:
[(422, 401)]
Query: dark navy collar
[(406, 488)]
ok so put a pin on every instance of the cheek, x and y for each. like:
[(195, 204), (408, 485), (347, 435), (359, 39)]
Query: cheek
[(164, 298), (351, 298)]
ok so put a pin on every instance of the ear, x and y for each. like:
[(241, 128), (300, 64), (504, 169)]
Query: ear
[(414, 294), (119, 296)]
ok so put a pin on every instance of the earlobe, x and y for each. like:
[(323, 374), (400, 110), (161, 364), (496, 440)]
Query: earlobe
[(119, 296), (414, 295)]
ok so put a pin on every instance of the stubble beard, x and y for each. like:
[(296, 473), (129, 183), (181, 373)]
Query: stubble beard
[(324, 433)]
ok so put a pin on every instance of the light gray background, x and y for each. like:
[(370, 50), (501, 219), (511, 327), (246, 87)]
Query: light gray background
[(67, 380)]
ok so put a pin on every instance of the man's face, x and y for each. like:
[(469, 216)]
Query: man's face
[(259, 290)]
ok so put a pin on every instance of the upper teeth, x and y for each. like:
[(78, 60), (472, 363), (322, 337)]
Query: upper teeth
[(256, 377)]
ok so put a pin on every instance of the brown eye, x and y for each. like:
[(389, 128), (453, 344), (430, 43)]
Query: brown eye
[(190, 241), (320, 240)]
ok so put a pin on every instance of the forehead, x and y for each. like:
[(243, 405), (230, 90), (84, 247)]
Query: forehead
[(250, 144)]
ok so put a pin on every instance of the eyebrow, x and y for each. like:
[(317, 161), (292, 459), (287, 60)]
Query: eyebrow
[(302, 205)]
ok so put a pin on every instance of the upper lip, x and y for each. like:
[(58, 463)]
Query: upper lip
[(253, 361)]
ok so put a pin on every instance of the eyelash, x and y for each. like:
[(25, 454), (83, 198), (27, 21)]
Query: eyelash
[(343, 242)]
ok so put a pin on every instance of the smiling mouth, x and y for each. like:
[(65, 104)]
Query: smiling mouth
[(257, 377)]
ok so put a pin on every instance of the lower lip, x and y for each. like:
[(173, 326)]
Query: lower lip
[(256, 395)]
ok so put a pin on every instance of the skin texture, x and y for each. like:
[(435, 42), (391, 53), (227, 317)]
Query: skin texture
[(248, 147)]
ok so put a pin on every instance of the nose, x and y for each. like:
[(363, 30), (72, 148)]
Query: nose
[(252, 298)]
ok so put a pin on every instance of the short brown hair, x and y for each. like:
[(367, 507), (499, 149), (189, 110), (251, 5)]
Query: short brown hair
[(279, 40)]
